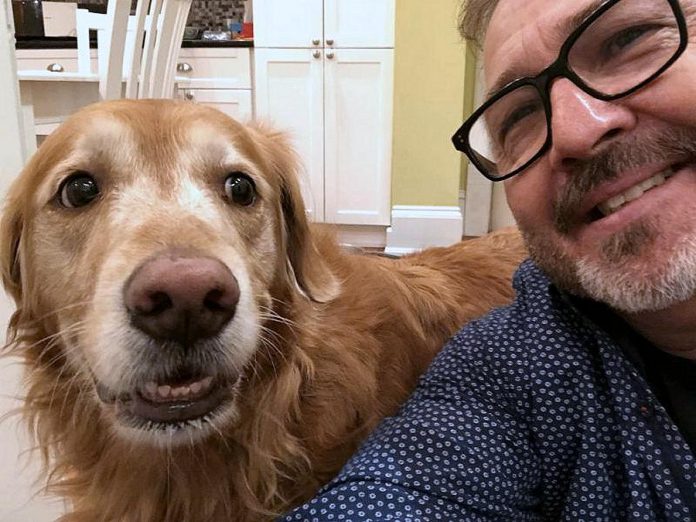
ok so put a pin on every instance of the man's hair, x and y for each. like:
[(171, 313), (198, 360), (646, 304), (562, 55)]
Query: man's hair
[(474, 16)]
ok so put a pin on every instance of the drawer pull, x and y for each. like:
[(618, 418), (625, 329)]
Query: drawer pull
[(316, 41), (184, 67), (189, 96), (55, 67), (316, 54), (330, 55), (330, 41)]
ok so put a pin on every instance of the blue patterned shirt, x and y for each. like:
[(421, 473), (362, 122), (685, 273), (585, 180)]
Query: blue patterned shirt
[(531, 413)]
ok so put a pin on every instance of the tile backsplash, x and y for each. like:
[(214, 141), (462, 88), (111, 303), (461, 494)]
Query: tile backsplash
[(205, 14), (211, 14)]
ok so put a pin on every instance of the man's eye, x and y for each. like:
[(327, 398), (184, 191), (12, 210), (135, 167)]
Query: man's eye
[(623, 39), (515, 117), (78, 190)]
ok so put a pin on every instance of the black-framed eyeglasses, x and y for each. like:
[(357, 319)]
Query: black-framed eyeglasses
[(619, 48)]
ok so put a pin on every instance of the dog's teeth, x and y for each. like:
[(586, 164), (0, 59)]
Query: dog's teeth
[(164, 391), (151, 388), (180, 391), (196, 387), (206, 382)]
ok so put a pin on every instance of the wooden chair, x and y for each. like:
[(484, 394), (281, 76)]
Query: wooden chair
[(146, 46), (140, 50)]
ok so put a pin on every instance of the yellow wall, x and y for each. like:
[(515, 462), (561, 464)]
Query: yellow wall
[(429, 102)]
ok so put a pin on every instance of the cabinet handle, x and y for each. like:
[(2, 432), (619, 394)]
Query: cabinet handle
[(188, 95), (316, 41), (316, 54), (55, 67), (330, 55), (184, 67), (329, 41)]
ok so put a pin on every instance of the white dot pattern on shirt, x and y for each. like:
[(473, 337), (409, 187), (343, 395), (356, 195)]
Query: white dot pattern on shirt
[(528, 414)]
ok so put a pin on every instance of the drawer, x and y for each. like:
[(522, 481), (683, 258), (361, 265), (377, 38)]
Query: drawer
[(40, 59), (233, 102), (213, 67)]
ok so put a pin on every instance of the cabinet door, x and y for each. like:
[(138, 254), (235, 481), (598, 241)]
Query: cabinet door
[(359, 99), (280, 23), (359, 23), (288, 94), (236, 103)]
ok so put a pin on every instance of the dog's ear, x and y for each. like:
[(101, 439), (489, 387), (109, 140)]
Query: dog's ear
[(305, 265), (11, 226)]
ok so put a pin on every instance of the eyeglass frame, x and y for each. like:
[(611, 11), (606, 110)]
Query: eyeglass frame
[(560, 69)]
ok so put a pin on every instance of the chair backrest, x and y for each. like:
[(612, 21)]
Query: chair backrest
[(142, 48)]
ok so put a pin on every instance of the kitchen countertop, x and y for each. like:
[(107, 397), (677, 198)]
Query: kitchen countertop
[(71, 43)]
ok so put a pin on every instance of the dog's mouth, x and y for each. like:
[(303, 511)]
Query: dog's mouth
[(167, 404)]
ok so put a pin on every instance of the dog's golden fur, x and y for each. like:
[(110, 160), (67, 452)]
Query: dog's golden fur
[(342, 337)]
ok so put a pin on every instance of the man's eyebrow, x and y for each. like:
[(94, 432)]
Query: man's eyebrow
[(565, 27), (561, 31)]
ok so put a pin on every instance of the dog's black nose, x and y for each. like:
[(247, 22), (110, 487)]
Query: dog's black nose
[(182, 298)]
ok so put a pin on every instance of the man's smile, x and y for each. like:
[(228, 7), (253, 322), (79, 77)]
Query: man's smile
[(634, 197), (633, 193)]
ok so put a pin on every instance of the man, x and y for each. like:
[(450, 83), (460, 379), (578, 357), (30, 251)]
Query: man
[(578, 402)]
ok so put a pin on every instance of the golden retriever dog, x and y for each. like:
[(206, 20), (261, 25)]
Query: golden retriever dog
[(195, 350)]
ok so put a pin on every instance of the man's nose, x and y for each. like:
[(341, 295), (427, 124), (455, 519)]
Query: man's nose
[(582, 125)]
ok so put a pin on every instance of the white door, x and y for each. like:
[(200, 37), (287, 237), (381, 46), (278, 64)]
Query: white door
[(236, 103), (358, 120), (359, 23), (283, 23), (289, 95)]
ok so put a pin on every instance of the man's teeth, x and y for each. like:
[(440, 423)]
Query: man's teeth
[(612, 205)]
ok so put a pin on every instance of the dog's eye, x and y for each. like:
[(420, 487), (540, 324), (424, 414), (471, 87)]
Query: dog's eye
[(240, 189), (78, 190)]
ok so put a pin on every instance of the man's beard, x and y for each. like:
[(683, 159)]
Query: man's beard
[(626, 276)]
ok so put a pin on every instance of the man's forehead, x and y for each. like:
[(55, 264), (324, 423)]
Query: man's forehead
[(524, 37)]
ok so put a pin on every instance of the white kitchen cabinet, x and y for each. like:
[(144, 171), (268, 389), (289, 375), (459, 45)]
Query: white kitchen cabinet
[(62, 60), (319, 23), (336, 101), (215, 67), (338, 111), (279, 23), (236, 103), (359, 23), (358, 101), (289, 93), (217, 77)]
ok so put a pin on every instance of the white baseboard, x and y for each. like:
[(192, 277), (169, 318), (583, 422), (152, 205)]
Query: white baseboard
[(417, 227), (362, 236)]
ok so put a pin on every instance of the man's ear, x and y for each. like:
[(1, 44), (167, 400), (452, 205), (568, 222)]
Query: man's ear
[(305, 265)]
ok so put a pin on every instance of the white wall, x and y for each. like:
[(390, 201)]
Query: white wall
[(17, 474), (486, 207)]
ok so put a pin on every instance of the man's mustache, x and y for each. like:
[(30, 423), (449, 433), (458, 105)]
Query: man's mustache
[(671, 146)]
